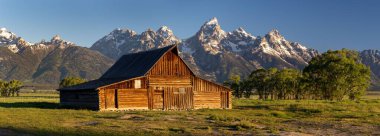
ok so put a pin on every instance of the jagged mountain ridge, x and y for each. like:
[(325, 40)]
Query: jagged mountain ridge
[(212, 52), (124, 41), (47, 62)]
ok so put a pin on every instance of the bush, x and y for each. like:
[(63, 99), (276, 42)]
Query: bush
[(10, 88)]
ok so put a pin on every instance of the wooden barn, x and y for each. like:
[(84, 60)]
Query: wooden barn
[(153, 80)]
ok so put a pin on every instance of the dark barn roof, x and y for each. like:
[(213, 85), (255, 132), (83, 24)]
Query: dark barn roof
[(91, 85), (136, 64), (127, 67)]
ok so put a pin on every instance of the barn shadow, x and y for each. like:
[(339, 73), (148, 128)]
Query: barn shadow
[(40, 105), (253, 107)]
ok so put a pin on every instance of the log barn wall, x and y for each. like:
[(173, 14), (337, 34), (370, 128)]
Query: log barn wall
[(210, 95), (79, 99), (124, 95)]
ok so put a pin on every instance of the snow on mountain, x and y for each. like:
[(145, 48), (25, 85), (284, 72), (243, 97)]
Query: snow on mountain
[(12, 41), (274, 44), (47, 61), (17, 44), (210, 35), (4, 33), (238, 40), (212, 51), (124, 41), (165, 37)]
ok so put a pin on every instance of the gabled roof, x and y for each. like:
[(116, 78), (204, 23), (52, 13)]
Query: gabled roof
[(127, 67), (136, 64)]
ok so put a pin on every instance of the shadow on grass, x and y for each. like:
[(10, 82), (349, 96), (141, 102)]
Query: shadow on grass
[(15, 131), (261, 107), (41, 105), (48, 97)]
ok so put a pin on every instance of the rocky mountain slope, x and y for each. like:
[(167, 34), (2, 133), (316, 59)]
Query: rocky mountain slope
[(212, 52), (47, 62), (371, 58), (124, 41)]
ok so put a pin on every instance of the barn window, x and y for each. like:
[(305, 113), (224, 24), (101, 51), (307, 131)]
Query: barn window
[(182, 90), (137, 84)]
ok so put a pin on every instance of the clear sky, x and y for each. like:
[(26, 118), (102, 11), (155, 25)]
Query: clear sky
[(319, 24)]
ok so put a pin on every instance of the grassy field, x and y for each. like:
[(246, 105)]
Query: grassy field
[(40, 114)]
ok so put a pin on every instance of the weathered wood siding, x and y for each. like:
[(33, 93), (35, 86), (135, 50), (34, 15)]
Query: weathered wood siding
[(170, 65), (132, 99), (124, 95), (169, 84), (210, 95), (79, 99), (170, 98), (126, 84)]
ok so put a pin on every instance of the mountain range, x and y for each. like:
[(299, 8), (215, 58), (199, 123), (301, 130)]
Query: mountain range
[(211, 52), (47, 62)]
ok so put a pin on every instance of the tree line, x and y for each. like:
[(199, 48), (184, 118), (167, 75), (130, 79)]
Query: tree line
[(11, 88), (333, 75)]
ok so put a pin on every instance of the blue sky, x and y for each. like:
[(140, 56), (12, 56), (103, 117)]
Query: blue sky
[(322, 24)]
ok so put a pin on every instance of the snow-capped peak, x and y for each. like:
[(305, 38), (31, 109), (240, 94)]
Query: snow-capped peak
[(241, 30), (275, 33), (164, 29), (120, 32), (4, 33), (211, 29), (212, 21), (210, 25), (148, 35), (165, 32), (56, 38), (242, 33)]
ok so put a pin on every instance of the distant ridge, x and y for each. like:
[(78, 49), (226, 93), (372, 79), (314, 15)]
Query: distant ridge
[(211, 52)]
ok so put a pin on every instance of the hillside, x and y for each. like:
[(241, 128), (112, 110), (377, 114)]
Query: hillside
[(47, 62)]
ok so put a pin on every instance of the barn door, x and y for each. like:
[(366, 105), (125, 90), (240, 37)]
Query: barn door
[(224, 99), (111, 99), (158, 99)]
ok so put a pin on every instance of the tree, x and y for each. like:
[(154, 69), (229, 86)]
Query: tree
[(3, 88), (10, 88), (286, 82), (336, 74), (246, 88), (14, 87), (262, 81), (234, 83), (70, 81)]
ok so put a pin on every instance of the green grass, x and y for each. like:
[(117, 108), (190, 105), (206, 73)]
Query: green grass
[(40, 114)]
